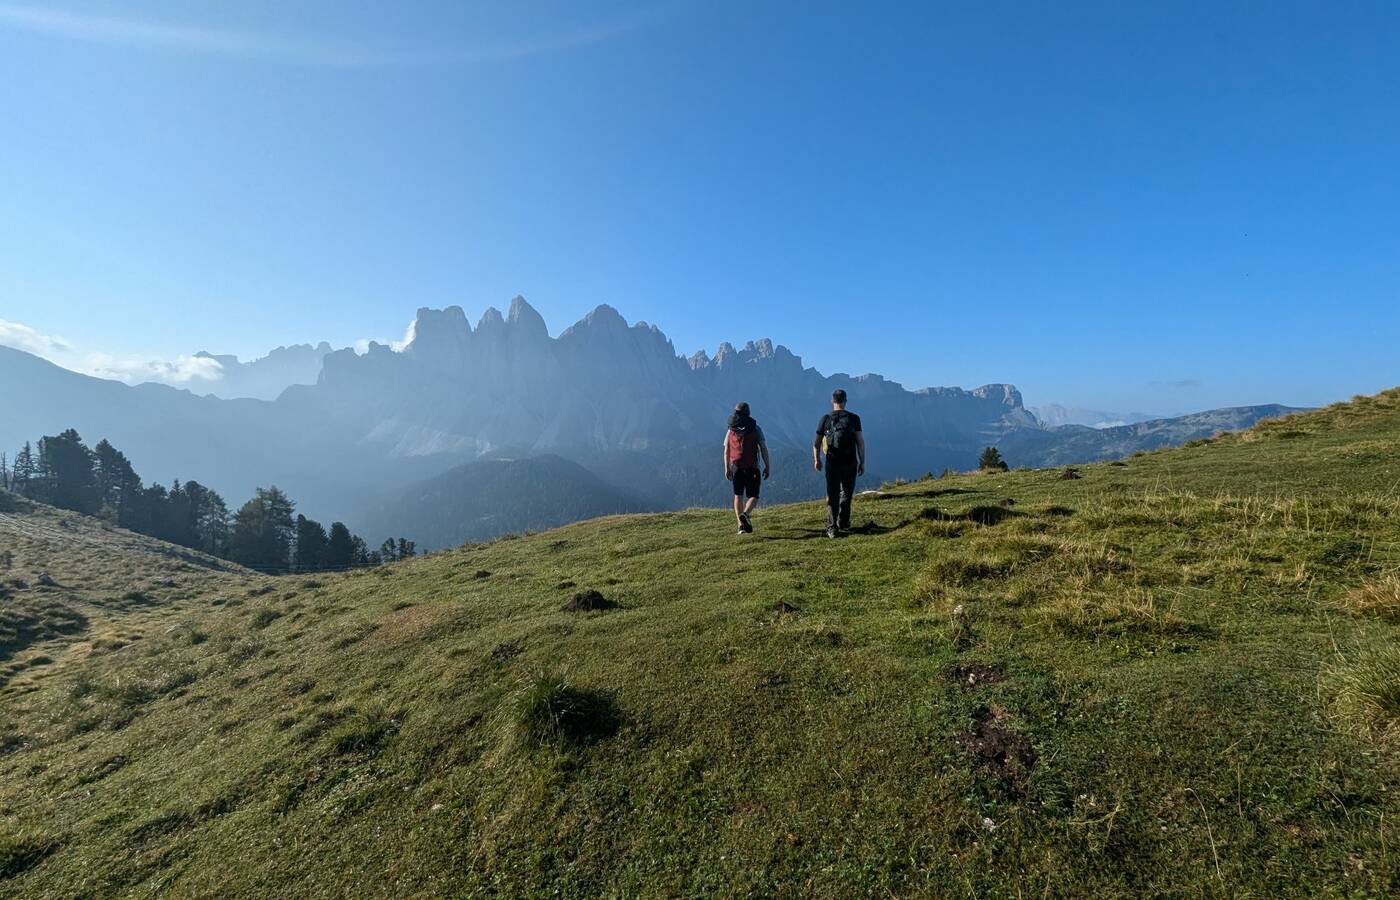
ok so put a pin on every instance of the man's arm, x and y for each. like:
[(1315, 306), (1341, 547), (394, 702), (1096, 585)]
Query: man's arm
[(763, 448), (817, 452), (860, 453), (724, 454)]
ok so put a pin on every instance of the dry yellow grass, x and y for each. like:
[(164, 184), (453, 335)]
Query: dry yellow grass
[(1380, 598)]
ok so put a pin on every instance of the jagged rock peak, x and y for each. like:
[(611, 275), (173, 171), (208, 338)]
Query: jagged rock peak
[(492, 318), (438, 332), (604, 315), (603, 319), (762, 348), (1005, 393), (699, 360), (525, 319)]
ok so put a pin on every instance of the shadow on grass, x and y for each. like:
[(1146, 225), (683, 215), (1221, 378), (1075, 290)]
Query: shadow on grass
[(982, 515)]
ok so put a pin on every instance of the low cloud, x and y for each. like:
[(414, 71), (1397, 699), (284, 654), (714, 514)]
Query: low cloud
[(30, 340), (177, 372), (362, 345)]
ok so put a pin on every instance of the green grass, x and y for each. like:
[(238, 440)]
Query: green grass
[(1171, 676)]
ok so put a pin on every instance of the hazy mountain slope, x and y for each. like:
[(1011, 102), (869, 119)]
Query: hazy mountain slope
[(263, 378), (1055, 414), (230, 445), (1173, 676), (1076, 443), (481, 500)]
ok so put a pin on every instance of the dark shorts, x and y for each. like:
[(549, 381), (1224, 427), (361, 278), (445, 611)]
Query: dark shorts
[(747, 481)]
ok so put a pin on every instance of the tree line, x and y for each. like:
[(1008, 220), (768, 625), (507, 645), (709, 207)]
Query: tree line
[(265, 533)]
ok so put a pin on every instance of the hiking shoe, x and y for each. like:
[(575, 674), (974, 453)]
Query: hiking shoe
[(831, 533), (745, 526)]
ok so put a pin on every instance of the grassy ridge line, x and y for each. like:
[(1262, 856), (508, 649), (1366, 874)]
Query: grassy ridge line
[(1167, 676)]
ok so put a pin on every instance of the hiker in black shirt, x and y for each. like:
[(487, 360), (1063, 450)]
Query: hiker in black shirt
[(838, 433)]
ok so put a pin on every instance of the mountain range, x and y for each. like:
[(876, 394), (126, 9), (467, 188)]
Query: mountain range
[(263, 378), (613, 398)]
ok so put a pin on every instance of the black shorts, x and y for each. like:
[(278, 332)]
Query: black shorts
[(747, 481)]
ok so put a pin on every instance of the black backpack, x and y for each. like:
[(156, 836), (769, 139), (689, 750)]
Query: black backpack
[(840, 437)]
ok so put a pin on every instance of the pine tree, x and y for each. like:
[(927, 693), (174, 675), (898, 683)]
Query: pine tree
[(211, 523), (179, 519), (388, 551), (407, 549), (311, 545), (263, 530), (361, 554), (340, 547), (22, 476), (991, 460), (65, 470), (116, 483)]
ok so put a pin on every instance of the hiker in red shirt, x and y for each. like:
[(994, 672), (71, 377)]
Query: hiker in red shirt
[(743, 444)]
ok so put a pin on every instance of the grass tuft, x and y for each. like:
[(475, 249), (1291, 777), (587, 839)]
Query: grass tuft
[(1380, 598), (548, 710), (1369, 691)]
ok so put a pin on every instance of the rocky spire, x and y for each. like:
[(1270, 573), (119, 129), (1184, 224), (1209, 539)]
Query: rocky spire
[(525, 321), (441, 334)]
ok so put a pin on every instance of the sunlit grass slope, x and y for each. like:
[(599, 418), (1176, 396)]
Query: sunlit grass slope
[(1177, 674)]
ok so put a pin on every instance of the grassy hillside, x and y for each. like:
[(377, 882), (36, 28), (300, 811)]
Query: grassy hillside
[(1178, 674)]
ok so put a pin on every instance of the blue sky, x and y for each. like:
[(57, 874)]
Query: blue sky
[(1156, 207)]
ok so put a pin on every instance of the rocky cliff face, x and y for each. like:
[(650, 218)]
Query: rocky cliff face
[(606, 385)]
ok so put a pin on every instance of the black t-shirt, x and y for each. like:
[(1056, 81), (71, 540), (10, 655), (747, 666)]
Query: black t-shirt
[(853, 425)]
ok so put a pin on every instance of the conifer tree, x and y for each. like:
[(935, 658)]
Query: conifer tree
[(991, 460), (340, 547), (23, 474), (312, 545), (263, 530), (65, 470)]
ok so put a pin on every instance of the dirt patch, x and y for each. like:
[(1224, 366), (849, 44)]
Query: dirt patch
[(588, 601), (1070, 473), (566, 585), (782, 607), (1005, 755), (974, 675), (481, 573)]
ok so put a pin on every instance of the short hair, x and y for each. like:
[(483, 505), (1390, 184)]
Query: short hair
[(741, 408), (838, 396)]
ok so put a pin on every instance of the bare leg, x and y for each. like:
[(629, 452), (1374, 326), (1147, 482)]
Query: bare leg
[(748, 507), (738, 509)]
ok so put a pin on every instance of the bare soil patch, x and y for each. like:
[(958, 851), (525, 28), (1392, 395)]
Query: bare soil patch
[(588, 601), (1006, 755)]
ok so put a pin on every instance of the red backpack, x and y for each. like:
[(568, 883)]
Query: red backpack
[(743, 444)]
